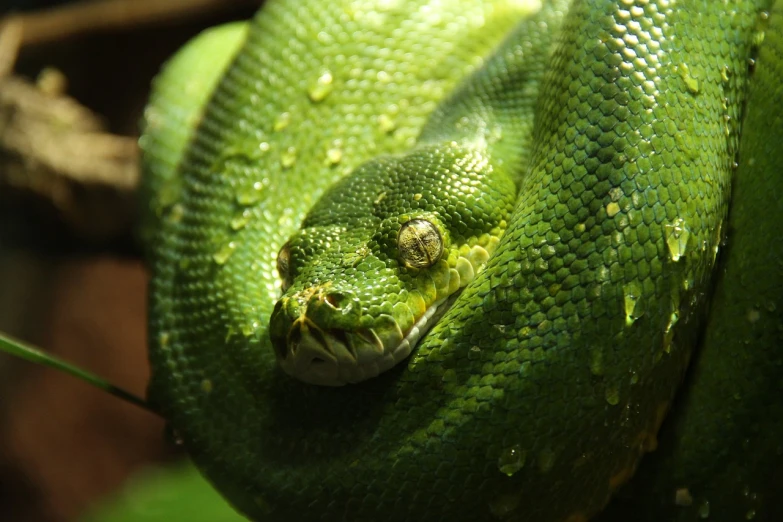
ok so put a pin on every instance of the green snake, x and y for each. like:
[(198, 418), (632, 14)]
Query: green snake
[(453, 260)]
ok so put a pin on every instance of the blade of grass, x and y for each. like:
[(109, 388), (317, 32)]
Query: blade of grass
[(21, 350)]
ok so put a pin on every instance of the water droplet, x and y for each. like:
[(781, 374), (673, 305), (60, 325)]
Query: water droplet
[(725, 73), (321, 88), (222, 255), (716, 245), (613, 395), (252, 194), (288, 158), (683, 498), (206, 386), (750, 515), (704, 509), (282, 121), (240, 221), (250, 328), (677, 235), (511, 460), (691, 83), (386, 123), (334, 155), (668, 333), (177, 213), (634, 306)]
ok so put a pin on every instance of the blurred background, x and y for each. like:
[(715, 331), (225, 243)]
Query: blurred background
[(74, 78)]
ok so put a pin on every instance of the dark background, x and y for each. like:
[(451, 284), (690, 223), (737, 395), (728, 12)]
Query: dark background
[(63, 445)]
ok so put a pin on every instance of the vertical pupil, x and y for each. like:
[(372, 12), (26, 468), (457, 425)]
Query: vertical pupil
[(420, 243)]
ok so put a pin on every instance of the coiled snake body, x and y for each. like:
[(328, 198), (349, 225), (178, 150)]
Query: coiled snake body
[(550, 184)]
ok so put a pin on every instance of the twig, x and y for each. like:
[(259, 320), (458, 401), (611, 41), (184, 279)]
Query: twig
[(53, 147), (10, 42), (104, 15)]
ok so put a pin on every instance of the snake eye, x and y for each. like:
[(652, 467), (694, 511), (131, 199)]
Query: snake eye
[(284, 265), (420, 244)]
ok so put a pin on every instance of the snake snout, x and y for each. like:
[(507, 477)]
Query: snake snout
[(313, 334), (303, 351)]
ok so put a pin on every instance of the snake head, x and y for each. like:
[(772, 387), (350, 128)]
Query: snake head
[(379, 258), (349, 316)]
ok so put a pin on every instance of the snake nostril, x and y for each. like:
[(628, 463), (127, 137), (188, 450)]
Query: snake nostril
[(294, 338), (339, 301), (334, 300)]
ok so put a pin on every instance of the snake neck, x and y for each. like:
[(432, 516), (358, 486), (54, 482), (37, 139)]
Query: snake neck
[(494, 110)]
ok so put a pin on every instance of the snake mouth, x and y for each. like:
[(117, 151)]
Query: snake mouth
[(336, 357)]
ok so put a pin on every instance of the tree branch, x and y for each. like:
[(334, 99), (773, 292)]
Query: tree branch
[(84, 17)]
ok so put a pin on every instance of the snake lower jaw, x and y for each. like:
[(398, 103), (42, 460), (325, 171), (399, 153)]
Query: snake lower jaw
[(335, 358), (338, 357)]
